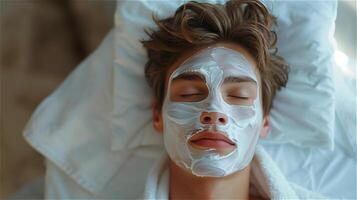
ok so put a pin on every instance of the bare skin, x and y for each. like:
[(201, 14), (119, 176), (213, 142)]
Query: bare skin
[(185, 185)]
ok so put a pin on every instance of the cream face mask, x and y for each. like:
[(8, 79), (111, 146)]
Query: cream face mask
[(199, 124)]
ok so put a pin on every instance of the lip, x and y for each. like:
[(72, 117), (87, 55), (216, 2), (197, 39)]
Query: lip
[(211, 139)]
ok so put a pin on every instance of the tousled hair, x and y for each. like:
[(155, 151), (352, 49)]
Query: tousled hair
[(244, 22)]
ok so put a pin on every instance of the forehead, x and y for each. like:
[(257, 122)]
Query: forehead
[(217, 61), (228, 55)]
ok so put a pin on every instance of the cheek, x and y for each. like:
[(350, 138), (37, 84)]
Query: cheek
[(182, 114)]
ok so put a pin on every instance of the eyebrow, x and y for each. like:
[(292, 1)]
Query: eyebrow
[(190, 76), (238, 79)]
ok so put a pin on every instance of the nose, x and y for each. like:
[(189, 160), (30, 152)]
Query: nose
[(213, 118)]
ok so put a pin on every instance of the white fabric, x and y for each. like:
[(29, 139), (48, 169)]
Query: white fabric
[(128, 182), (73, 129), (346, 108), (332, 174), (329, 172), (305, 30)]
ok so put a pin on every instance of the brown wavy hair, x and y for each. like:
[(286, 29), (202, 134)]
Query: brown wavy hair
[(244, 22)]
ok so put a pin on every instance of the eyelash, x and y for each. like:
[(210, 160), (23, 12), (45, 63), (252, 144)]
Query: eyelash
[(199, 94), (237, 97), (189, 95)]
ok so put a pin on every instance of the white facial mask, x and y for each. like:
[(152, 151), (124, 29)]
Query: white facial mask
[(182, 119)]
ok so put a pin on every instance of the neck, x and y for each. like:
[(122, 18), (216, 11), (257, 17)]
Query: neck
[(185, 185)]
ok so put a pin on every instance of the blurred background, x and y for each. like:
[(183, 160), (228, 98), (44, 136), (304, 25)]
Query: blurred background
[(42, 41)]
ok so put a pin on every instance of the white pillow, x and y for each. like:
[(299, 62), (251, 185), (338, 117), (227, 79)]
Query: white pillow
[(346, 108), (302, 114)]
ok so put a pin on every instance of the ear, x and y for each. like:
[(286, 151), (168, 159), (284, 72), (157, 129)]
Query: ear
[(266, 127), (157, 117)]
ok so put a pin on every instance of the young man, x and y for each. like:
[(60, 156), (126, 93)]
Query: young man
[(214, 78)]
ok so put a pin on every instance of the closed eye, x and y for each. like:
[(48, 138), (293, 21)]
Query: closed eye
[(190, 95), (238, 97)]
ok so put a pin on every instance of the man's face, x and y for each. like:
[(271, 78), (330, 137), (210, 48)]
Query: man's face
[(212, 112)]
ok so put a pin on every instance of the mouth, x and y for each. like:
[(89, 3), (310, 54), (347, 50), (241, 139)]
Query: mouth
[(211, 140)]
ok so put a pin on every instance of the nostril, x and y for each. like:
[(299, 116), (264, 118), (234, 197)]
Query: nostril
[(206, 119), (222, 120)]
